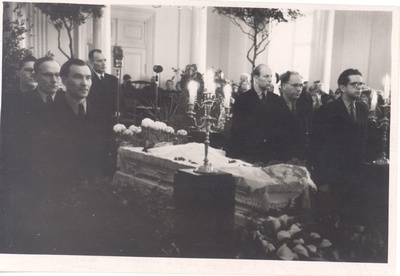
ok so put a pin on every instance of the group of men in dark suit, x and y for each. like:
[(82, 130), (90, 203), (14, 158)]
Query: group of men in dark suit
[(59, 141), (268, 129)]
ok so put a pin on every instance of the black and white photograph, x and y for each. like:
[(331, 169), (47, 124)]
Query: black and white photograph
[(197, 137)]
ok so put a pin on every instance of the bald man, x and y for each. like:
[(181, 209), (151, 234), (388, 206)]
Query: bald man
[(255, 133)]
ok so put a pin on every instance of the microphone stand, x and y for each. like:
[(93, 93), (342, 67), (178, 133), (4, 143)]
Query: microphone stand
[(118, 60)]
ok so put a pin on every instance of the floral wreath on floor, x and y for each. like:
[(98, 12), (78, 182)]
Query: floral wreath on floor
[(149, 134)]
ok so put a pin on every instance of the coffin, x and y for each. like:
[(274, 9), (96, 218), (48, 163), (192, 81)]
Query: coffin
[(257, 188)]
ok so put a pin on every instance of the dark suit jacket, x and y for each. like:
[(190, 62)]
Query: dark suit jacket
[(103, 97), (257, 134), (36, 121), (298, 129), (103, 94), (82, 142), (33, 105), (33, 142), (10, 110), (325, 98), (340, 143)]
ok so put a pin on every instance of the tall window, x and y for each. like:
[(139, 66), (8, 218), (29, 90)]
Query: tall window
[(290, 46)]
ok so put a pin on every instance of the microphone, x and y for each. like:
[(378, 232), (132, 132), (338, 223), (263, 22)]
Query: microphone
[(157, 68), (118, 56)]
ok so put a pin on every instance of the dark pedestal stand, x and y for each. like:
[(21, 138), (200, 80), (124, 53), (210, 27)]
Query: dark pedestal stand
[(205, 205)]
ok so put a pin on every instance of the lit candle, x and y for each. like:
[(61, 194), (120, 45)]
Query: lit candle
[(192, 87), (210, 85), (386, 86), (374, 100), (227, 93)]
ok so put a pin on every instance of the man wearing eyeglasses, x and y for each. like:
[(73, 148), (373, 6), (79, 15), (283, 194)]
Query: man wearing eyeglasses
[(11, 155), (296, 116), (341, 133), (25, 74), (38, 104), (255, 133), (11, 109), (38, 113), (47, 76), (35, 142)]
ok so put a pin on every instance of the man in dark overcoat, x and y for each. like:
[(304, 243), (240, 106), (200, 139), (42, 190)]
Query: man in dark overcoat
[(103, 94), (256, 133), (297, 115), (339, 140)]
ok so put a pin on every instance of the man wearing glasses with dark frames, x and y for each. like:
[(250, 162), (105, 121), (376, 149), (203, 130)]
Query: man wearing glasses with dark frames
[(12, 108), (11, 155), (27, 81), (340, 140), (37, 119), (35, 142)]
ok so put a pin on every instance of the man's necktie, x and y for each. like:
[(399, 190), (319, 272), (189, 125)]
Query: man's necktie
[(101, 78), (49, 99), (294, 109), (263, 98), (353, 113), (81, 110)]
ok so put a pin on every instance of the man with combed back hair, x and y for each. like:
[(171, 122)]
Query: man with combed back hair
[(256, 135), (103, 94), (340, 137), (81, 126)]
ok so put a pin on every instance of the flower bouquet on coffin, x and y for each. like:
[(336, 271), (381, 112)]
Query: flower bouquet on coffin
[(131, 136), (149, 134)]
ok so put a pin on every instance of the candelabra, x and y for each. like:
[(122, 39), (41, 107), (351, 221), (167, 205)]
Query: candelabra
[(206, 122), (384, 125)]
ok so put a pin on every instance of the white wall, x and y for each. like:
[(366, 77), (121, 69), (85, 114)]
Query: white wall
[(166, 40), (165, 51), (362, 40)]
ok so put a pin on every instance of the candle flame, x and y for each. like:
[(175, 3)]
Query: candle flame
[(210, 85), (386, 86), (227, 93), (374, 100), (192, 87)]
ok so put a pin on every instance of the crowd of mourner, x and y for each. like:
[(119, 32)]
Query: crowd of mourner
[(57, 128)]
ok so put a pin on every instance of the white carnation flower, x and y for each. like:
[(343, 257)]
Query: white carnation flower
[(182, 132), (146, 122), (135, 129), (119, 128), (169, 129), (153, 125), (127, 132), (159, 126), (138, 130)]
